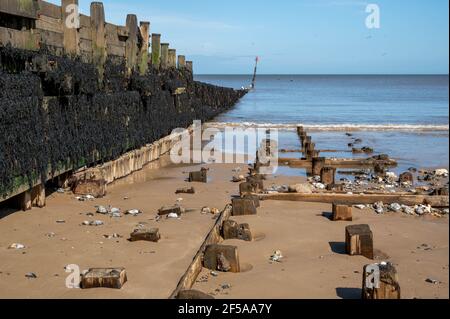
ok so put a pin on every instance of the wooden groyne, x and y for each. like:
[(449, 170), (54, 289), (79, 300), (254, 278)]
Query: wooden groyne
[(34, 24), (79, 92)]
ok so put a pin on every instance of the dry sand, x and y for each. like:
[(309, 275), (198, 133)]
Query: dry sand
[(314, 265)]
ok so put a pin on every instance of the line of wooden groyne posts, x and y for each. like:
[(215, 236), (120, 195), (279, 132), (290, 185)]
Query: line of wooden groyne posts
[(358, 238)]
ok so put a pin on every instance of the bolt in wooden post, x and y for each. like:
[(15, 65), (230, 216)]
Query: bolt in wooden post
[(172, 58), (327, 175), (156, 50), (143, 53), (342, 212), (98, 37), (71, 36), (181, 62), (131, 49), (164, 55), (359, 240)]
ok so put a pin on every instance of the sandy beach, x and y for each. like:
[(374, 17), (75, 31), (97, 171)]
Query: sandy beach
[(314, 265)]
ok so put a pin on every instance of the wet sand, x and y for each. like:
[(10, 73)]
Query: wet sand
[(314, 266)]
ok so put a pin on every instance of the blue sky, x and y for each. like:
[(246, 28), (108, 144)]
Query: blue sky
[(297, 36)]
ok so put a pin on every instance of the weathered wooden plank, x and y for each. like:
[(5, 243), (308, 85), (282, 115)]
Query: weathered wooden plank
[(116, 50), (50, 38), (188, 279), (49, 24), (335, 162), (354, 199), (49, 9), (22, 8), (28, 39)]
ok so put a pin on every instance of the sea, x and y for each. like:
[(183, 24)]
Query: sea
[(404, 116)]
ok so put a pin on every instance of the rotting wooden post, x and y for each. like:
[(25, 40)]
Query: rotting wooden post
[(131, 49), (24, 200), (98, 37), (70, 26), (151, 234), (189, 66), (104, 278), (156, 50), (342, 212), (143, 53), (199, 176), (164, 55), (38, 196), (359, 240), (181, 62), (192, 294), (317, 164), (172, 58), (327, 175), (233, 230), (380, 281), (247, 188), (221, 257), (243, 206)]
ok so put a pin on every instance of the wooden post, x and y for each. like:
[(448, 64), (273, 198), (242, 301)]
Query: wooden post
[(243, 206), (38, 196), (317, 164), (151, 234), (181, 62), (98, 37), (24, 200), (233, 230), (342, 212), (380, 281), (172, 58), (156, 50), (189, 66), (327, 175), (143, 53), (359, 240), (70, 27), (131, 49), (104, 278), (221, 257), (164, 55)]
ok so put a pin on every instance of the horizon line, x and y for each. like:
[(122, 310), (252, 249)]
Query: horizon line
[(330, 74)]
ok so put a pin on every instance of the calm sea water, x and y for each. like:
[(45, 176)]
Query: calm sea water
[(406, 117)]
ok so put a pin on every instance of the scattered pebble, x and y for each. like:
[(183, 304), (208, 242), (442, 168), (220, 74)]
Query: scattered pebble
[(16, 246), (31, 275), (277, 256)]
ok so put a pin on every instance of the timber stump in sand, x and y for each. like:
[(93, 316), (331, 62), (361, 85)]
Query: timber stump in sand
[(199, 176), (222, 258), (342, 212), (151, 234), (104, 278), (243, 206), (380, 281), (256, 179), (248, 188), (192, 294), (359, 240), (233, 230), (166, 210), (317, 164), (327, 175), (255, 199)]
